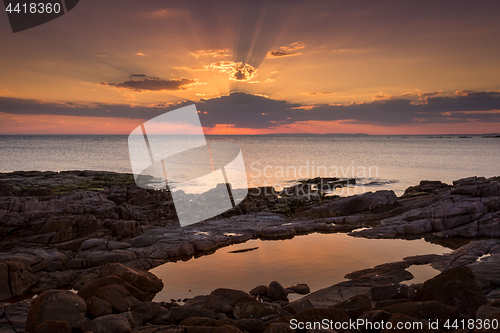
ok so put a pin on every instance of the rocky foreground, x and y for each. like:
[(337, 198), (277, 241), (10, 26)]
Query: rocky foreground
[(98, 233)]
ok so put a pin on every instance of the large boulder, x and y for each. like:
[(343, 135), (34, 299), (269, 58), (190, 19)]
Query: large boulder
[(111, 324), (275, 291), (53, 326), (59, 305), (91, 286), (370, 201), (179, 313), (145, 281), (97, 307), (221, 296), (120, 298), (456, 287)]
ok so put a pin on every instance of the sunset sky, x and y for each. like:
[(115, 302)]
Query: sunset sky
[(256, 67)]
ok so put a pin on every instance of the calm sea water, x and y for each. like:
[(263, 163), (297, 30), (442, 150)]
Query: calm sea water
[(378, 162)]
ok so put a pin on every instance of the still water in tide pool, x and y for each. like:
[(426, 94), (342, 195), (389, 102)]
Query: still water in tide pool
[(319, 260)]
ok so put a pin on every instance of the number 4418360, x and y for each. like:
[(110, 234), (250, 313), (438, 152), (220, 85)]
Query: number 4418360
[(34, 8)]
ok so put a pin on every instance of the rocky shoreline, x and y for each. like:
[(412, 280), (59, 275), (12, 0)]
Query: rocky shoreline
[(99, 234)]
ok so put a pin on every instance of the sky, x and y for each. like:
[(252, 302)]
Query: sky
[(256, 67)]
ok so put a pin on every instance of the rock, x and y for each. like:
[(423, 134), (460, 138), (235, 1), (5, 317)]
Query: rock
[(94, 244), (251, 325), (5, 292), (118, 296), (355, 306), (278, 328), (301, 288), (16, 314), (21, 278), (254, 309), (275, 291), (91, 286), (374, 316), (227, 309), (382, 304), (392, 291), (319, 314), (97, 307), (414, 324), (227, 329), (486, 311), (456, 287), (377, 202), (144, 281), (147, 310), (59, 305), (111, 324), (199, 321), (162, 317), (179, 313), (53, 326), (298, 305), (259, 291), (220, 297), (429, 310)]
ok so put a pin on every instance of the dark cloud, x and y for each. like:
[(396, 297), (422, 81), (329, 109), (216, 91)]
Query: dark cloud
[(138, 75), (153, 84), (277, 54), (250, 111)]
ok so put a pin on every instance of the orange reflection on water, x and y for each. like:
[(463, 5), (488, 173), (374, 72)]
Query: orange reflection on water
[(320, 260)]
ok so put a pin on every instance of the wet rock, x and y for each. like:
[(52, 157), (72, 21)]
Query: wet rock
[(355, 306), (111, 324), (456, 287), (301, 288), (254, 309), (387, 292), (59, 305), (275, 291), (220, 297), (53, 326), (118, 296), (97, 307)]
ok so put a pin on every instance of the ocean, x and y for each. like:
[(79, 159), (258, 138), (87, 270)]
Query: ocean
[(377, 162)]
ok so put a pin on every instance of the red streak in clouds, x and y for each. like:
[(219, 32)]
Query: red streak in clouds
[(53, 124)]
